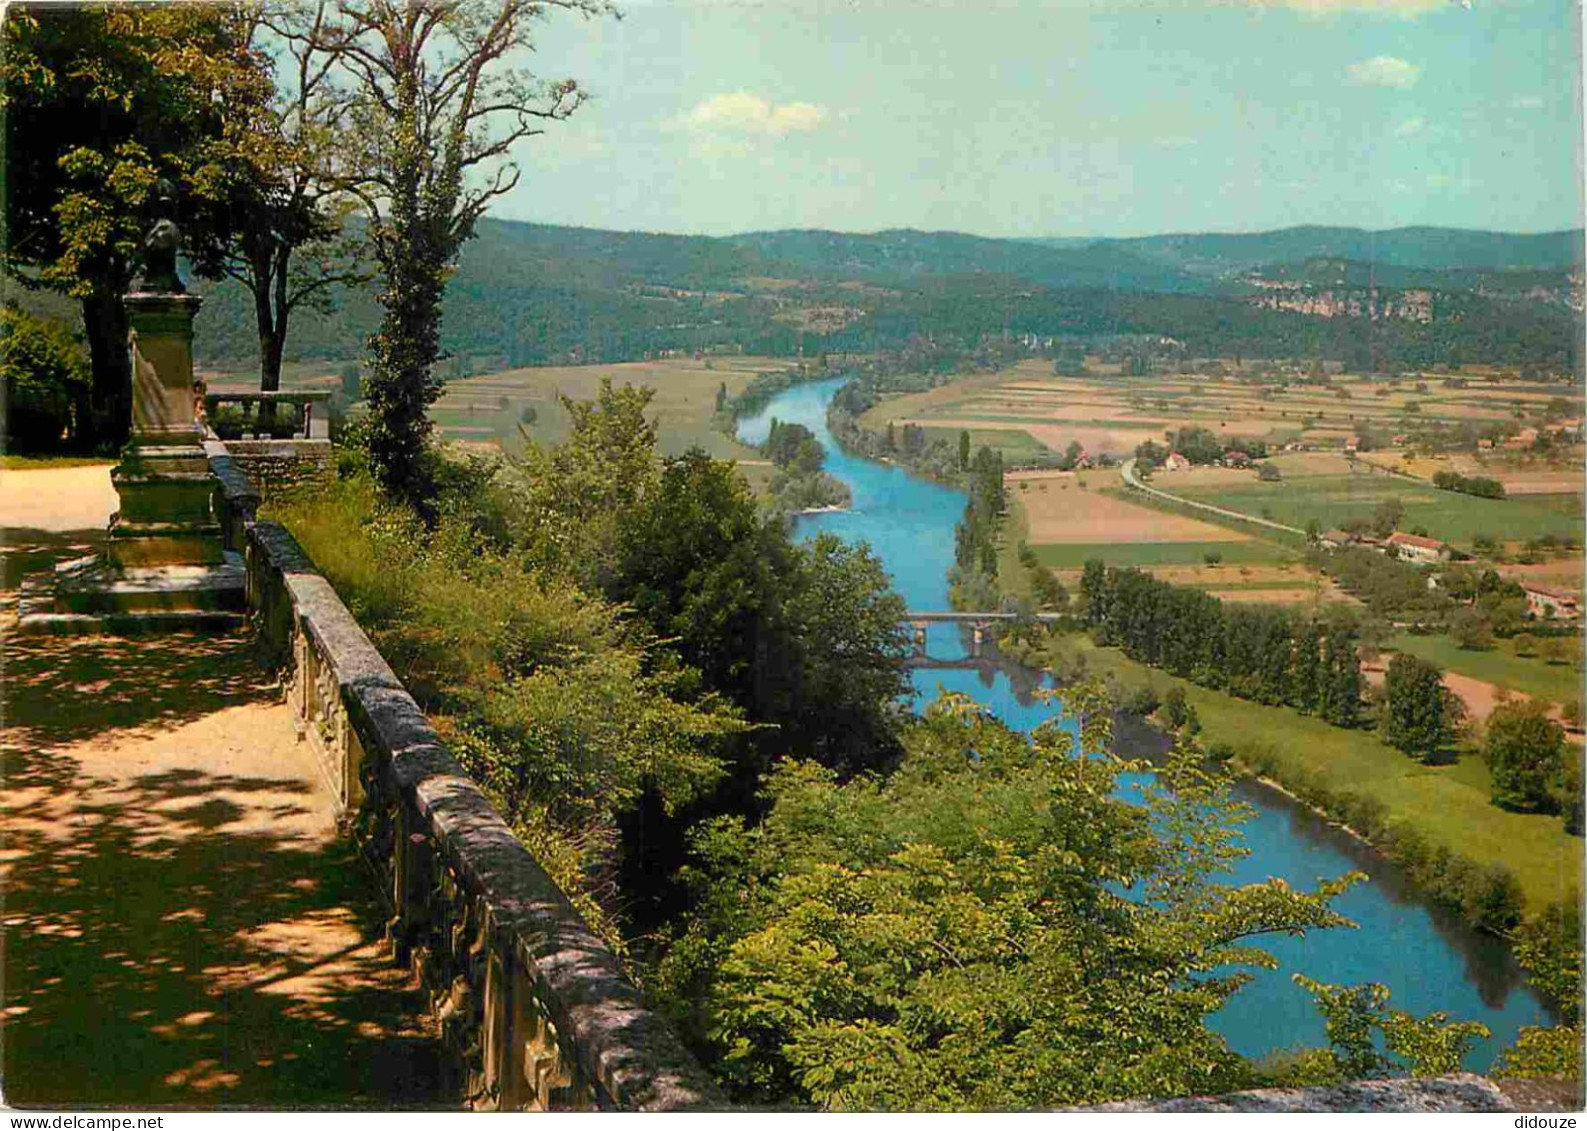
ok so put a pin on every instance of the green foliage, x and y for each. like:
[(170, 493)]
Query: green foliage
[(44, 380), (1549, 947), (989, 927), (559, 707), (1262, 654), (117, 98), (975, 536), (1420, 1046), (1525, 752), (1420, 717), (1471, 630), (1541, 1052), (434, 109), (1477, 485)]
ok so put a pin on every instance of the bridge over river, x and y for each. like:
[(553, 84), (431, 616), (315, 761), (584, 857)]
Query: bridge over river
[(978, 623)]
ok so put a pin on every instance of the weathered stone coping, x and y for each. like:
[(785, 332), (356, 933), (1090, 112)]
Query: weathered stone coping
[(236, 498), (532, 1002)]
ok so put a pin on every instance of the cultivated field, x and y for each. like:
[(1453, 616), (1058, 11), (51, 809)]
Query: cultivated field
[(491, 407), (1107, 411), (1061, 510), (1333, 500)]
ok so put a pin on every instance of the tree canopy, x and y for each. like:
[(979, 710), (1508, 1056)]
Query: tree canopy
[(991, 926)]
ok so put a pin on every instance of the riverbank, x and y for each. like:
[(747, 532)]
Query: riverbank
[(1435, 821), (1428, 956)]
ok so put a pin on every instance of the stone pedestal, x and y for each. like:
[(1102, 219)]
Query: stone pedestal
[(164, 565), (163, 479)]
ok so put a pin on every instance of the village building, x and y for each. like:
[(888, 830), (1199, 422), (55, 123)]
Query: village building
[(1176, 462), (1235, 458), (1415, 548), (1334, 539), (1549, 603)]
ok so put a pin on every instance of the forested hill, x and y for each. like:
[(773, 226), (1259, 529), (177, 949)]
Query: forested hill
[(528, 294), (1425, 247), (903, 254)]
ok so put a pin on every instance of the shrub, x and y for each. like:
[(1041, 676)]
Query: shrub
[(551, 699)]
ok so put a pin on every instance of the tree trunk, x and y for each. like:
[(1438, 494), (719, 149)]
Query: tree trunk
[(109, 416), (269, 335)]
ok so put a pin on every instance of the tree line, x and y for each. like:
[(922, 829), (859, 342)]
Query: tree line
[(1479, 485), (1265, 654)]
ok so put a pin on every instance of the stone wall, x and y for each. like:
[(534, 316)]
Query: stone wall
[(277, 466), (533, 1007)]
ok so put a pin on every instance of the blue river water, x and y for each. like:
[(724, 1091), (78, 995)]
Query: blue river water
[(1427, 957)]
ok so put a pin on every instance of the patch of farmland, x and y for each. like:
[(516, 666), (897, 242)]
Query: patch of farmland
[(1064, 513), (681, 407), (1335, 500), (1074, 555)]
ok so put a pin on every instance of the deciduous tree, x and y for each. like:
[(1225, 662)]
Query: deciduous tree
[(437, 105), (1525, 752), (102, 102), (1418, 715)]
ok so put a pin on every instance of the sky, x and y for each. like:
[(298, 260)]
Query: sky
[(1061, 117)]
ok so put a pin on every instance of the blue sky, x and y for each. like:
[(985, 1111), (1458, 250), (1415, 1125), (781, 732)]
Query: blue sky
[(1062, 117)]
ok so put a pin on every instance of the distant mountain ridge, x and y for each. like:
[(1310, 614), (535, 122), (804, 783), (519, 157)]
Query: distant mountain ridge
[(528, 294), (1221, 254)]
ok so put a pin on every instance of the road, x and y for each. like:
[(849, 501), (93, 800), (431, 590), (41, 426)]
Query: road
[(1127, 469)]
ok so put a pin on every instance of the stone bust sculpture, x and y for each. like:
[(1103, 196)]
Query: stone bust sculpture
[(161, 245)]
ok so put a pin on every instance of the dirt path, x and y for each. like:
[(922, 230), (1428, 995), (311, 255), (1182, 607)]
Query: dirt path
[(56, 499), (183, 926), (1479, 696)]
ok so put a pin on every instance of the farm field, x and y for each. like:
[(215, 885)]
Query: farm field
[(1107, 411), (1071, 510), (1074, 555), (1448, 804), (1560, 573), (1558, 683), (1333, 500), (487, 409), (491, 406), (1014, 444), (1520, 474)]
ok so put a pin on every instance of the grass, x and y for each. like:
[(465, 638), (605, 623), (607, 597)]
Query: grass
[(1065, 555), (1559, 683), (1449, 805), (684, 401), (1009, 441), (41, 463), (1011, 575), (1336, 499)]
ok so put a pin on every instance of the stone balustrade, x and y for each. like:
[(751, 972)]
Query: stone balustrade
[(533, 1007), (258, 414)]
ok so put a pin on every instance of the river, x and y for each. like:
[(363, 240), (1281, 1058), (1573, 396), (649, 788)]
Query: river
[(1428, 958)]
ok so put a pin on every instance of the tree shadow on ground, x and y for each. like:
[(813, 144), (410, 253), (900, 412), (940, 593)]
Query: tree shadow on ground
[(62, 689), (24, 550), (181, 937)]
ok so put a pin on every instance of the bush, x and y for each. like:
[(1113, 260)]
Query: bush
[(552, 700), (1140, 700), (44, 381)]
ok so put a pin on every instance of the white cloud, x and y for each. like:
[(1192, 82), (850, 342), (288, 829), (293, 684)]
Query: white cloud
[(742, 112), (1384, 70), (1530, 102), (1410, 126)]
